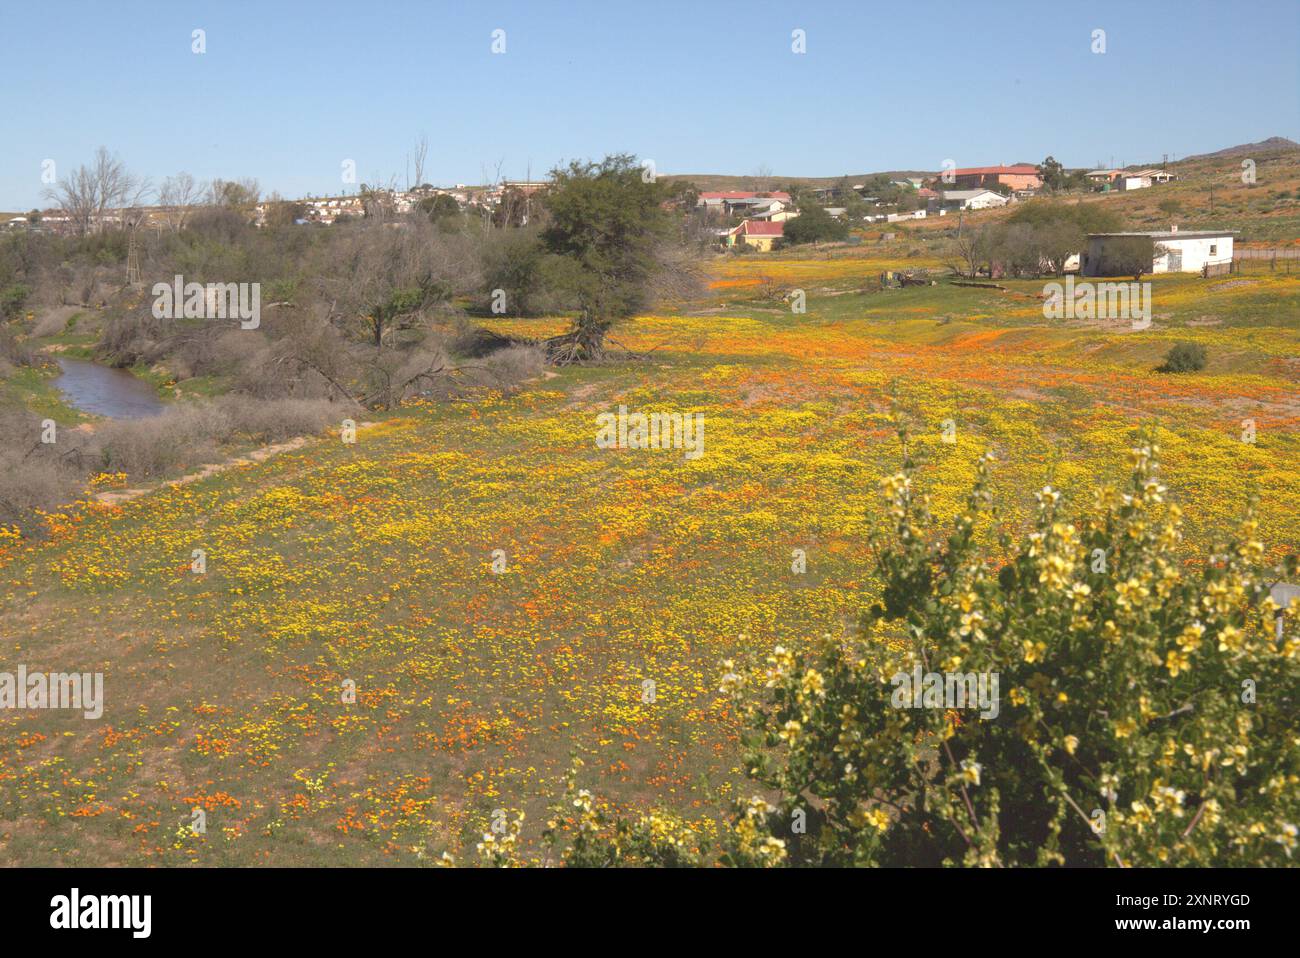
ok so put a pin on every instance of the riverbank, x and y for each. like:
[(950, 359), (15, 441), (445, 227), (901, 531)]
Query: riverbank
[(104, 391), (70, 428), (31, 389)]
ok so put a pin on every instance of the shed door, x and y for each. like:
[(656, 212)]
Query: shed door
[(1175, 261)]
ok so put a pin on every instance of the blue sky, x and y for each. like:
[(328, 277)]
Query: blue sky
[(287, 91)]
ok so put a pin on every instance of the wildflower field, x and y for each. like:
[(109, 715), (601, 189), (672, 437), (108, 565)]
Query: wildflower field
[(369, 566)]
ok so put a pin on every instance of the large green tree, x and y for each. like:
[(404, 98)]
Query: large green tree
[(607, 230), (1053, 174), (1048, 233), (813, 225)]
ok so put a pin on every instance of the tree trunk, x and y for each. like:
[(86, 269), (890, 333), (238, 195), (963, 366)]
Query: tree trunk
[(584, 343)]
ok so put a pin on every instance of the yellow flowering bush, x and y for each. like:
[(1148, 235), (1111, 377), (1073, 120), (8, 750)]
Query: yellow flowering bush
[(1151, 709), (585, 835)]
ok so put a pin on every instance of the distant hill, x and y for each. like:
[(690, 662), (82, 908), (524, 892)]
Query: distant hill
[(728, 181), (715, 182), (1273, 144)]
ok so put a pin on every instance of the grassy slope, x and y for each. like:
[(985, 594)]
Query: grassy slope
[(1212, 194), (371, 562)]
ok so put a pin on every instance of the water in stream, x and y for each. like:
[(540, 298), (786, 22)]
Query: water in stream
[(105, 391)]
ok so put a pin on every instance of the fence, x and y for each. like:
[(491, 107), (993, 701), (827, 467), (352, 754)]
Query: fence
[(1288, 257), (1288, 252)]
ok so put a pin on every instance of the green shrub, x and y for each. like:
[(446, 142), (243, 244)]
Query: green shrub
[(814, 225), (1144, 713), (1148, 714), (587, 835), (12, 299), (1183, 358)]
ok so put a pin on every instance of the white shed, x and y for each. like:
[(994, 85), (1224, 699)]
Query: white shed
[(972, 199), (1174, 252)]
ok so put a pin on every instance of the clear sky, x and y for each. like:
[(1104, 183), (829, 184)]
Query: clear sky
[(287, 91)]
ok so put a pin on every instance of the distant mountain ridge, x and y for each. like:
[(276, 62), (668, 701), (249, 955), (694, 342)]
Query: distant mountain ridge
[(1273, 144), (710, 182), (727, 181)]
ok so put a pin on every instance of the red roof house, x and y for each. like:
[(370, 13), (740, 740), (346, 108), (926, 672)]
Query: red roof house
[(1018, 176), (760, 234)]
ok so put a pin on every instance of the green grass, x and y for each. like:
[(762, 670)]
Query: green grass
[(32, 388)]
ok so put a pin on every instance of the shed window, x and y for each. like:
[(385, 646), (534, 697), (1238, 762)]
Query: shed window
[(1214, 248)]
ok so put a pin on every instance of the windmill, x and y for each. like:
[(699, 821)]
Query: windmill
[(132, 252)]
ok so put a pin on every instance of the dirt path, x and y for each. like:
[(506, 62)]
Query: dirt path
[(115, 497)]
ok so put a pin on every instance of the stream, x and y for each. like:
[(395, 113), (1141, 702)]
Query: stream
[(105, 391)]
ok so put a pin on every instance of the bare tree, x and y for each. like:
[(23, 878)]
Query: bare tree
[(490, 184), (178, 195), (90, 192), (234, 194), (380, 279), (970, 249), (421, 151)]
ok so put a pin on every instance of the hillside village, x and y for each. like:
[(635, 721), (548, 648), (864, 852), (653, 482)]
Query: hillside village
[(918, 197), (762, 215), (762, 220)]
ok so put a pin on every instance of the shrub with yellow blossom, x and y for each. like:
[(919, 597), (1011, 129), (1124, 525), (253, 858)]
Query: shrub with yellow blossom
[(584, 834), (1151, 713)]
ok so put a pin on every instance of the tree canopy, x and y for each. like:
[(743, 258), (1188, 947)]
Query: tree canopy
[(814, 225), (606, 224)]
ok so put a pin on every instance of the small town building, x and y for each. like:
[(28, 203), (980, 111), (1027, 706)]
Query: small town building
[(760, 235), (1103, 180), (972, 199), (729, 201), (1018, 176), (1172, 252), (1141, 179), (772, 211)]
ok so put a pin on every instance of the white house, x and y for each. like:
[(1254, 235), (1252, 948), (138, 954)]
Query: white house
[(742, 201), (973, 199), (1173, 252), (773, 211), (899, 217), (1141, 179)]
